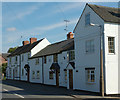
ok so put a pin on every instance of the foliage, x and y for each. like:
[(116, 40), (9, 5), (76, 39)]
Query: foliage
[(3, 68), (10, 50)]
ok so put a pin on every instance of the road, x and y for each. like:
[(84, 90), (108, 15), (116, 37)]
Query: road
[(17, 89)]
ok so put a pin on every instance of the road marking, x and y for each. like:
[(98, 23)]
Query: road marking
[(18, 95), (5, 90), (14, 93)]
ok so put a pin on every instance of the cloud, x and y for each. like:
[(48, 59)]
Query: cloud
[(11, 29), (27, 12), (19, 14), (56, 25)]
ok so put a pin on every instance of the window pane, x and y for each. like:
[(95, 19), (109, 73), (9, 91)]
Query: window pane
[(111, 45)]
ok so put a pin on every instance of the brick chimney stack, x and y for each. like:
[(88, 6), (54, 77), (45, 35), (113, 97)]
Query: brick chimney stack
[(70, 35), (32, 40), (25, 42)]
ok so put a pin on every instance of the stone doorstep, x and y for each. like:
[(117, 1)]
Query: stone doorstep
[(90, 97)]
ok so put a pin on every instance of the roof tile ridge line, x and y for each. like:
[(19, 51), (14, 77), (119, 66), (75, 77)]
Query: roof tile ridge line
[(96, 13), (102, 6)]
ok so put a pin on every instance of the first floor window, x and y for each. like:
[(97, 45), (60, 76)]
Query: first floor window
[(50, 75), (87, 19), (37, 61), (71, 55), (38, 74), (111, 45), (90, 46), (55, 58), (33, 74), (45, 59), (90, 74)]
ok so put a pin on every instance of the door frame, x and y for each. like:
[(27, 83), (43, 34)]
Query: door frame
[(70, 79), (57, 78)]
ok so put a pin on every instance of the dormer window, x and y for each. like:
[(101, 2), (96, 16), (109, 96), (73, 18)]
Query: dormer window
[(87, 19)]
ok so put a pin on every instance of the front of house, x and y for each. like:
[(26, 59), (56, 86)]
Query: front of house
[(95, 22), (57, 64), (18, 61), (50, 65)]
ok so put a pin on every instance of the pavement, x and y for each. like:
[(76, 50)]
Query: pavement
[(17, 89)]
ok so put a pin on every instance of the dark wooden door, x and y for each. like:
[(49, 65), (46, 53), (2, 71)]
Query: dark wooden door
[(28, 73), (70, 79), (57, 78)]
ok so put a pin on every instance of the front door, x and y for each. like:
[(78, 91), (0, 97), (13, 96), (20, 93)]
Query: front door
[(57, 78), (28, 73), (70, 79)]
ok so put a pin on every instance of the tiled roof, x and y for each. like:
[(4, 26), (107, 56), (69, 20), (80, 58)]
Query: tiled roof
[(4, 55), (56, 48), (108, 14), (24, 49)]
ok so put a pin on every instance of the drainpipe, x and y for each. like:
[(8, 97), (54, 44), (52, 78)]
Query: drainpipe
[(42, 70), (20, 68)]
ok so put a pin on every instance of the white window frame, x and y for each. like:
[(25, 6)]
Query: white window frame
[(55, 58), (113, 48), (38, 74), (71, 55), (90, 74), (33, 74), (37, 61)]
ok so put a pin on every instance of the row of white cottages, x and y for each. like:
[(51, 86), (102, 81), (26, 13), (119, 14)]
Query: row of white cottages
[(74, 63)]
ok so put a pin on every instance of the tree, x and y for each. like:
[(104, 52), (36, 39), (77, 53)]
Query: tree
[(4, 66), (10, 50)]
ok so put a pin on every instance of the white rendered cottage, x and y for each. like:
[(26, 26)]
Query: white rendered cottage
[(95, 22), (18, 62), (49, 66)]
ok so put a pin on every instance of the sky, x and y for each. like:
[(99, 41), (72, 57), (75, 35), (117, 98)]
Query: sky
[(23, 20)]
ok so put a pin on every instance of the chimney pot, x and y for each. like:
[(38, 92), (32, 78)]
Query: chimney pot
[(25, 42), (32, 40), (70, 35)]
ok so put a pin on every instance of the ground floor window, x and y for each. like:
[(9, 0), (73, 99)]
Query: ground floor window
[(90, 74), (50, 75), (66, 75), (22, 72), (38, 74), (33, 75)]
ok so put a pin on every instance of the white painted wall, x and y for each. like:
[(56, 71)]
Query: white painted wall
[(23, 63), (119, 59), (40, 46), (84, 60), (111, 60), (34, 67), (62, 61)]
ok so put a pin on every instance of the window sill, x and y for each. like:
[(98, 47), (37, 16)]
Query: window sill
[(90, 83), (111, 53)]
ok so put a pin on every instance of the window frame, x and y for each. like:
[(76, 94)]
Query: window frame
[(38, 75), (45, 59), (33, 74), (87, 17), (71, 55), (90, 75), (51, 76), (55, 58), (89, 46), (37, 61), (111, 45)]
